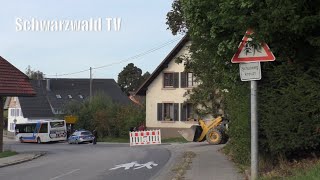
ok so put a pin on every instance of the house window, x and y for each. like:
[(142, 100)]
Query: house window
[(12, 126), (168, 111), (171, 80), (188, 80), (12, 112), (191, 80), (69, 96), (58, 96), (187, 112), (15, 112)]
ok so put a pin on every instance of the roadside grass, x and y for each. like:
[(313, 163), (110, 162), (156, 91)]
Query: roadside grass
[(181, 167), (174, 140), (114, 139), (307, 169), (309, 174), (7, 154)]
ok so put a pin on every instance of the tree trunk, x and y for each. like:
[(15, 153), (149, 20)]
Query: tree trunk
[(1, 124)]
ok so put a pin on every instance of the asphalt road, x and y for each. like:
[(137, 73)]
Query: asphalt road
[(87, 162)]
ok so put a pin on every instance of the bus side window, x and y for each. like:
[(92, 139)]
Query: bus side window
[(44, 128)]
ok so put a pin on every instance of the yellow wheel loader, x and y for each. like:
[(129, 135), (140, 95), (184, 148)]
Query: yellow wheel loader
[(213, 131)]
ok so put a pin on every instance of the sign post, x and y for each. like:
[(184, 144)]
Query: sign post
[(254, 131), (249, 58)]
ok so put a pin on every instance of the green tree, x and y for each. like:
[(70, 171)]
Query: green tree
[(130, 78), (144, 77), (291, 29), (33, 74)]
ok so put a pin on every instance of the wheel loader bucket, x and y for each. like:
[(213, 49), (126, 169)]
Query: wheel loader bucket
[(191, 134)]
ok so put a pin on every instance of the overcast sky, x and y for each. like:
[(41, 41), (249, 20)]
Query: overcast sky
[(142, 28)]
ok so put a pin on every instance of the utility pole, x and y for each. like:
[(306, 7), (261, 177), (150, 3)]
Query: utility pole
[(90, 84)]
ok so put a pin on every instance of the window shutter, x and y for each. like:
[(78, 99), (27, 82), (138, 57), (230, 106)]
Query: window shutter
[(176, 80), (183, 112), (159, 113), (183, 79), (163, 79), (176, 112)]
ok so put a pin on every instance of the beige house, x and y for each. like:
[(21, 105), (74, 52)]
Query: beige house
[(165, 92)]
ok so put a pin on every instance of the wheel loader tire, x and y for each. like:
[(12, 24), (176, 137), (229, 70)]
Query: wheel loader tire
[(214, 136)]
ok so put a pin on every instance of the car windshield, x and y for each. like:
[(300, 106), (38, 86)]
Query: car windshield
[(86, 133), (57, 124)]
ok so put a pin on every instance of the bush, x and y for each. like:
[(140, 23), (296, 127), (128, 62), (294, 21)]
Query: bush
[(238, 113), (110, 119), (289, 111)]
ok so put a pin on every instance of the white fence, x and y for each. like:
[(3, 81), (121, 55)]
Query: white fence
[(145, 137)]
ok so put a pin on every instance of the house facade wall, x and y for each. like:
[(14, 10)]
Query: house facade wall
[(156, 93), (15, 113)]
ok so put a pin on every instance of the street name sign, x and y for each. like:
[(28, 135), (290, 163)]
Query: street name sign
[(248, 53), (250, 71)]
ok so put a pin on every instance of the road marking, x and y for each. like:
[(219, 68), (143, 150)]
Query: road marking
[(57, 177), (135, 165)]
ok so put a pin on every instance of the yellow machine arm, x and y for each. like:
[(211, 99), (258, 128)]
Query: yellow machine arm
[(205, 128)]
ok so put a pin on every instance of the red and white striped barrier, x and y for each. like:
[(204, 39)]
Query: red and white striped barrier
[(145, 137)]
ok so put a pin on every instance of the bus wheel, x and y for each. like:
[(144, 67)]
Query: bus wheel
[(38, 140), (20, 139)]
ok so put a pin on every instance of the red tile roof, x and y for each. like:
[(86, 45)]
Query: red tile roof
[(13, 82)]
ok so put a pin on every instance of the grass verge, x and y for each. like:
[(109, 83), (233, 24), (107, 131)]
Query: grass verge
[(114, 139), (309, 174), (307, 169), (181, 167), (7, 154), (174, 140)]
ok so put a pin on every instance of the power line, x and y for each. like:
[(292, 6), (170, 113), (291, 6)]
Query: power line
[(140, 55), (66, 74), (125, 60)]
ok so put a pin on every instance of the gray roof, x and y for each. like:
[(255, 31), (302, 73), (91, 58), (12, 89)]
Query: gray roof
[(46, 101)]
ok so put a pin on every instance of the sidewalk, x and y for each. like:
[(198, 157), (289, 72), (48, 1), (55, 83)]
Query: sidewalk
[(208, 164), (19, 158)]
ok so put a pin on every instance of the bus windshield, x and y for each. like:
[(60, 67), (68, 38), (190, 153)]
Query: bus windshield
[(57, 124)]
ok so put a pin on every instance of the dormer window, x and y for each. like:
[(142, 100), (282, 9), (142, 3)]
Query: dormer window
[(58, 96), (69, 96)]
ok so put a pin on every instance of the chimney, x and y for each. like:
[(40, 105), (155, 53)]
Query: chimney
[(48, 85)]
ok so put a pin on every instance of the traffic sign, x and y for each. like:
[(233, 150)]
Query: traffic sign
[(250, 71), (248, 53)]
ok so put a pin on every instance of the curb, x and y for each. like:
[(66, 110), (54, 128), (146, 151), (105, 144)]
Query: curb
[(35, 156)]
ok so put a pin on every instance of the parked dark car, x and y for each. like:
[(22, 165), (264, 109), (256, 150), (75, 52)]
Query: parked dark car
[(80, 137)]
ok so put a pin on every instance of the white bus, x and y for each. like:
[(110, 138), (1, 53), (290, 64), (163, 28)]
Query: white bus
[(41, 131)]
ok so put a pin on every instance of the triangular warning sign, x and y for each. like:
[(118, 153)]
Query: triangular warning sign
[(247, 53)]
